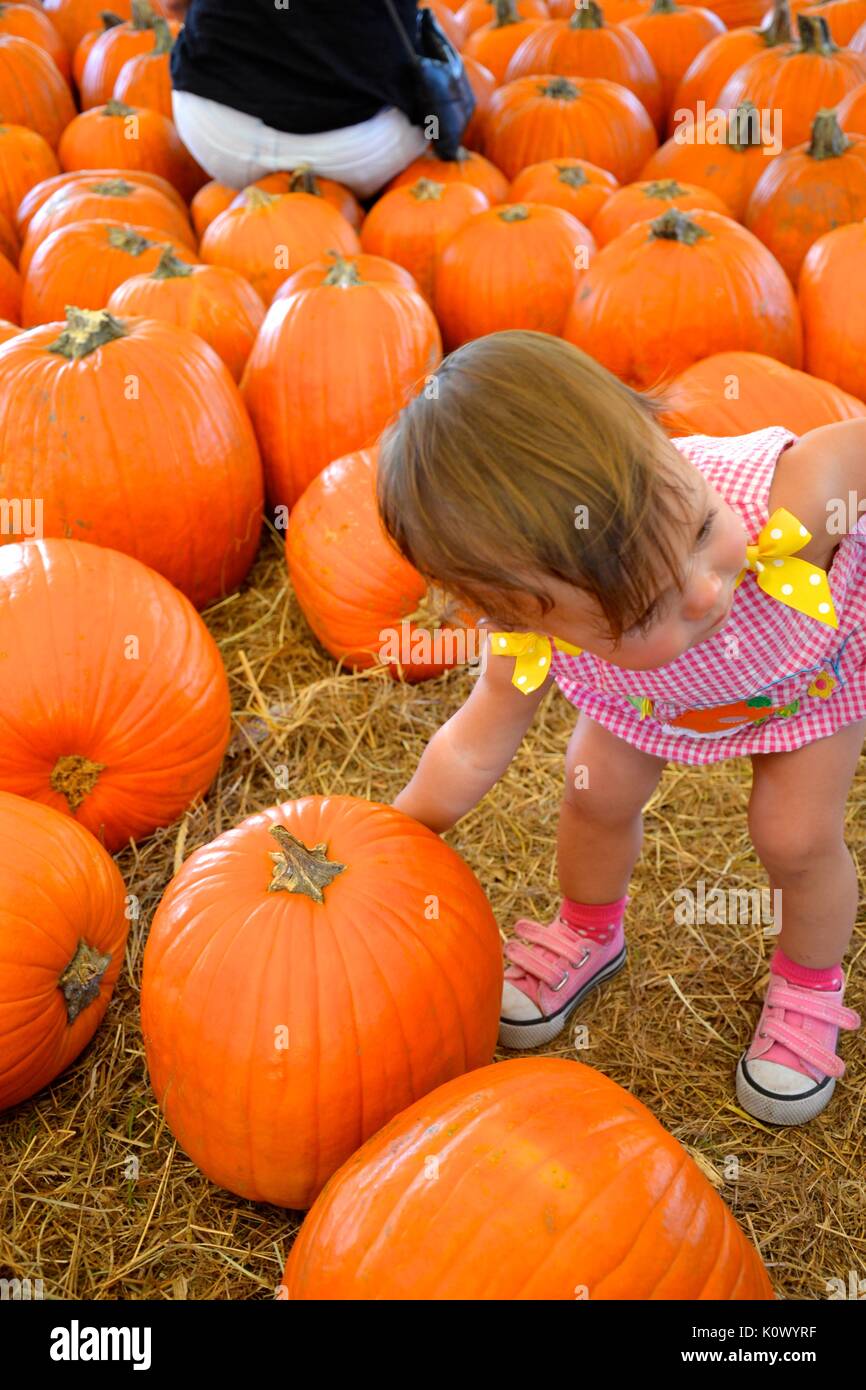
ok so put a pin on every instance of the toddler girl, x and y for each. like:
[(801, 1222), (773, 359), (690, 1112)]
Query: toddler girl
[(692, 600)]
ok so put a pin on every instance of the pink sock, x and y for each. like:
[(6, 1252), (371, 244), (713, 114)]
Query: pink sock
[(829, 978), (593, 919)]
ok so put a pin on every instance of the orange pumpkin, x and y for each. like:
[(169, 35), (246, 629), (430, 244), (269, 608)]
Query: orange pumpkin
[(109, 20), (584, 46), (735, 393), (26, 159), (216, 303), (267, 236), (9, 246), (145, 78), (8, 330), (574, 185), (331, 365), (411, 225), (707, 74), (62, 937), (132, 745), (146, 430), (32, 91), (87, 261), (295, 1096), (211, 199), (130, 138), (74, 18), (90, 198), (10, 290), (727, 154), (483, 85), (851, 111), (737, 14), (112, 49), (682, 287), (516, 266), (468, 167), (538, 118), (809, 190), (674, 35), (495, 44), (25, 22), (364, 602), (844, 17), (551, 1183), (304, 180), (41, 192), (833, 319), (472, 14), (450, 22), (797, 81), (641, 202), (366, 267)]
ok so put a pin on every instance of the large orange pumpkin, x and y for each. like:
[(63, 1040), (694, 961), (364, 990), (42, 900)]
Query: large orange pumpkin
[(366, 267), (682, 287), (411, 225), (87, 261), (317, 910), (844, 17), (92, 198), (115, 700), (726, 154), (575, 185), (62, 938), (32, 91), (268, 236), (495, 43), (535, 1179), (641, 202), (833, 320), (111, 50), (584, 46), (469, 167), (538, 118), (216, 303), (304, 180), (734, 393), (146, 436), (708, 72), (10, 290), (25, 22), (515, 266), (145, 78), (332, 363), (26, 158), (674, 35), (131, 138), (39, 195), (809, 190), (75, 18), (364, 602), (211, 199), (109, 20)]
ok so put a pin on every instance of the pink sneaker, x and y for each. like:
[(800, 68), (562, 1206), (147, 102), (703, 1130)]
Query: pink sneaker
[(789, 1073), (549, 970)]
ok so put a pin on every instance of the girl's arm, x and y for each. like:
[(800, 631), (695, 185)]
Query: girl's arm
[(468, 755)]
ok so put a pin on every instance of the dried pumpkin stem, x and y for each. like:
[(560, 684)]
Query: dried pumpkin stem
[(778, 26), (143, 16), (75, 777), (587, 16), (170, 268), (299, 869), (674, 225), (343, 273), (664, 188), (815, 36), (575, 178), (82, 978), (560, 88), (303, 180), (427, 191), (129, 240), (85, 331), (117, 108), (259, 198), (829, 140), (518, 212), (164, 38), (109, 19), (746, 131), (505, 13), (114, 188), (663, 7)]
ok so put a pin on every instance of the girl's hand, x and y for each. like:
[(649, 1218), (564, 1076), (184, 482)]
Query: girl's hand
[(468, 755)]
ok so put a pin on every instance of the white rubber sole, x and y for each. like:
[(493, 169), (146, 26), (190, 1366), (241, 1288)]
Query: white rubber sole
[(776, 1109), (536, 1032)]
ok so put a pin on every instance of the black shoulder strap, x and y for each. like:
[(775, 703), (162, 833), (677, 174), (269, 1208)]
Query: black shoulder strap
[(389, 5)]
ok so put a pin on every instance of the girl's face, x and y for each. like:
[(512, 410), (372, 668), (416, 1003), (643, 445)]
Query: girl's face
[(713, 554)]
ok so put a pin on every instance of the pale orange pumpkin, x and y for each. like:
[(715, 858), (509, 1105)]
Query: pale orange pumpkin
[(735, 393), (411, 225), (468, 167), (575, 185), (133, 139), (641, 202)]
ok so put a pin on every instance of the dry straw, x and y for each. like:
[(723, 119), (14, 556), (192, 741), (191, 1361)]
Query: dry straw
[(669, 1028)]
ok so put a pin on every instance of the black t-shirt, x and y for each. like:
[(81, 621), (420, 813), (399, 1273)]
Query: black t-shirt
[(312, 66)]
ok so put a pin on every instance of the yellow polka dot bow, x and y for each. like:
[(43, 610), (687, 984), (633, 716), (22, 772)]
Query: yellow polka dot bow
[(532, 652), (795, 582)]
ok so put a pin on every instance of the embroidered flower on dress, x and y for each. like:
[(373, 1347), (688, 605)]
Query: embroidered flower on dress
[(823, 685)]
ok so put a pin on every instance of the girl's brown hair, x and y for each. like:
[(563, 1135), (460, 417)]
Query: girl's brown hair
[(481, 476)]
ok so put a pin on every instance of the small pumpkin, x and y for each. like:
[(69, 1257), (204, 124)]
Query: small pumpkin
[(641, 202), (674, 35), (32, 91), (121, 744), (681, 287), (146, 435), (10, 290), (26, 159), (216, 303), (727, 153), (63, 933), (26, 22), (39, 195), (74, 18), (733, 393), (575, 185), (145, 78), (411, 225), (708, 72), (108, 20), (113, 48), (469, 167), (263, 919), (844, 17), (304, 180), (833, 319), (133, 139), (475, 13), (515, 266), (495, 43), (211, 199), (269, 235), (551, 1182), (332, 363)]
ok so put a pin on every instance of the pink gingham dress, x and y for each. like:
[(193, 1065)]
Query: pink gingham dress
[(789, 678)]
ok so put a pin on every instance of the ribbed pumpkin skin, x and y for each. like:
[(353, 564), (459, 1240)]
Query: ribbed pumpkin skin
[(708, 72), (548, 1182), (851, 111), (32, 91), (145, 80), (38, 196), (483, 85), (412, 224), (729, 171), (673, 37), (58, 887), (376, 268), (74, 18), (767, 393), (211, 199), (472, 168), (833, 319), (107, 57), (575, 185), (10, 291), (27, 23), (417, 1000), (26, 159), (542, 118), (304, 181), (130, 203), (648, 307), (182, 451), (845, 17), (641, 202), (494, 45), (331, 365), (510, 267), (69, 613), (8, 330), (97, 139), (79, 263)]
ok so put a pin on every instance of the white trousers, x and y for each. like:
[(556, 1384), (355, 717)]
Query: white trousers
[(236, 148)]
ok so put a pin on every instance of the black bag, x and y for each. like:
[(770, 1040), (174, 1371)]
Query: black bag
[(443, 87)]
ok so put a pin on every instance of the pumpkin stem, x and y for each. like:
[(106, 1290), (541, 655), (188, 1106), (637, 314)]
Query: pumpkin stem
[(164, 38), (75, 777), (114, 188), (559, 87), (588, 16), (82, 978), (258, 198), (663, 7), (517, 212), (298, 869), (427, 191), (815, 35), (674, 225), (85, 331), (343, 273), (170, 268), (303, 180), (505, 13), (575, 178), (829, 140), (129, 240), (110, 20), (745, 129), (778, 26), (143, 16), (117, 108), (664, 188)]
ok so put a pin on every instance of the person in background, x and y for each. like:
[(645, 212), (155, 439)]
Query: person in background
[(260, 87)]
